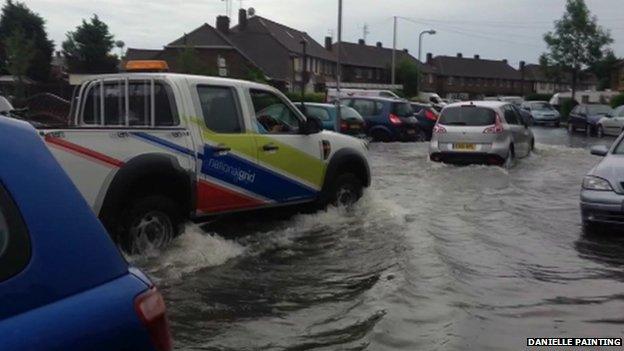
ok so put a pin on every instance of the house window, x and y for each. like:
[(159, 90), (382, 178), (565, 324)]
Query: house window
[(369, 73), (297, 64), (358, 73), (451, 80), (378, 74)]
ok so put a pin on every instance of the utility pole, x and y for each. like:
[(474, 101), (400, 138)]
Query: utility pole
[(304, 73), (338, 63), (394, 38)]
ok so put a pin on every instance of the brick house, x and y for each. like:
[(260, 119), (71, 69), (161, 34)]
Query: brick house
[(255, 44), (460, 77), (543, 84), (617, 78), (371, 64)]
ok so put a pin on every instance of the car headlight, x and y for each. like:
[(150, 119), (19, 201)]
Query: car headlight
[(596, 183)]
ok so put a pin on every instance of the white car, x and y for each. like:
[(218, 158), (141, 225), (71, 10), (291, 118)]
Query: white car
[(612, 125)]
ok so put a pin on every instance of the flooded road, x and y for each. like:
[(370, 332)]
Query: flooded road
[(434, 257)]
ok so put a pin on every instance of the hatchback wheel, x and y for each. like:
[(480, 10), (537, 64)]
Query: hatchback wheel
[(380, 135), (421, 135), (509, 159)]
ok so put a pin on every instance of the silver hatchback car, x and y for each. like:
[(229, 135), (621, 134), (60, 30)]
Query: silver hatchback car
[(602, 192), (486, 132)]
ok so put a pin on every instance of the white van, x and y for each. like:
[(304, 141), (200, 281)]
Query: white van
[(584, 97), (332, 94)]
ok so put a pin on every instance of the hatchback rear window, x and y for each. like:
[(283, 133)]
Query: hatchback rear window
[(467, 116), (14, 239), (402, 109)]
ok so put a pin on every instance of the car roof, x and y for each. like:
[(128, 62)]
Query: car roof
[(479, 103), (70, 249), (375, 98)]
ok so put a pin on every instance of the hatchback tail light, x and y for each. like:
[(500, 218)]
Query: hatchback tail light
[(430, 115), (438, 129), (394, 119), (497, 128), (150, 307), (344, 126)]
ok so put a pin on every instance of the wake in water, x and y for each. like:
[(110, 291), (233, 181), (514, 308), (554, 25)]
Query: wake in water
[(196, 249)]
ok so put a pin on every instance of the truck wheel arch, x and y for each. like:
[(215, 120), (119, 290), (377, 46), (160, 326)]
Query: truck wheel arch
[(147, 174), (346, 161)]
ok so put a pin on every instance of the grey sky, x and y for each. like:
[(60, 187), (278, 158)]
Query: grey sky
[(495, 29)]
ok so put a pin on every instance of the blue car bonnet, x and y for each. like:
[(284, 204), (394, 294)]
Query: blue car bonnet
[(70, 250)]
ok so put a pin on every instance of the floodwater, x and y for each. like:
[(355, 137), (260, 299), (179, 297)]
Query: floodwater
[(434, 257)]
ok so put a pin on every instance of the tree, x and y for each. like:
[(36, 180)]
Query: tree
[(189, 62), (16, 16), (20, 53), (603, 69), (408, 75), (577, 41), (88, 48)]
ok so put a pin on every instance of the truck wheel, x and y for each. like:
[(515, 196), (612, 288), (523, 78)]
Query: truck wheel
[(150, 223), (346, 190)]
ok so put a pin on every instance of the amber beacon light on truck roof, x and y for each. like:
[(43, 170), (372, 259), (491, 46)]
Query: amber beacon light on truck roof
[(147, 66)]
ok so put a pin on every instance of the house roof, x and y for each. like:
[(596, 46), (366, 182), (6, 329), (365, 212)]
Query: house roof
[(372, 56), (202, 36), (534, 72), (142, 54), (288, 37), (475, 68)]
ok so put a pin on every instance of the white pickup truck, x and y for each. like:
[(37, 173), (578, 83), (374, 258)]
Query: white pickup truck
[(151, 150)]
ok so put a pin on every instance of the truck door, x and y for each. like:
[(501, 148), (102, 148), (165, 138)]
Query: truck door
[(227, 177), (293, 162)]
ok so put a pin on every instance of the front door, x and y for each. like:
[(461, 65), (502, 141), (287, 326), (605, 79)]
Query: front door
[(228, 159), (292, 162)]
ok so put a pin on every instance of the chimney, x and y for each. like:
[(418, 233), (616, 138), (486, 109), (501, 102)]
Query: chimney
[(429, 57), (405, 51), (505, 61), (522, 64), (242, 19), (223, 24), (459, 54), (476, 57), (328, 43), (361, 42), (379, 45)]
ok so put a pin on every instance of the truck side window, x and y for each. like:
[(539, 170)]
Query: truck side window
[(273, 115), (139, 103), (166, 112), (92, 111), (220, 109), (115, 103), (14, 239)]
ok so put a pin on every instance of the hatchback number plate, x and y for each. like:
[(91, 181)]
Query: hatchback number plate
[(464, 146)]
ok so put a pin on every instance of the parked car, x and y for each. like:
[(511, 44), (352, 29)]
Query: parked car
[(611, 125), (137, 156), (427, 117), (5, 105), (434, 99), (333, 94), (516, 100), (542, 112), (586, 117), (388, 119), (602, 192), (63, 283), (351, 123), (487, 132)]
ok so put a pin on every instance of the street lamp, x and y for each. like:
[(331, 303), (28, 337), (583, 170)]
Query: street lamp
[(431, 32)]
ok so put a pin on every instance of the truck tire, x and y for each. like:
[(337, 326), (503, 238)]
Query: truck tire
[(149, 222), (346, 190)]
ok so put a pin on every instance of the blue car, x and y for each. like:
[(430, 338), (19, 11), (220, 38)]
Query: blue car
[(387, 119), (63, 283), (586, 117), (351, 123)]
